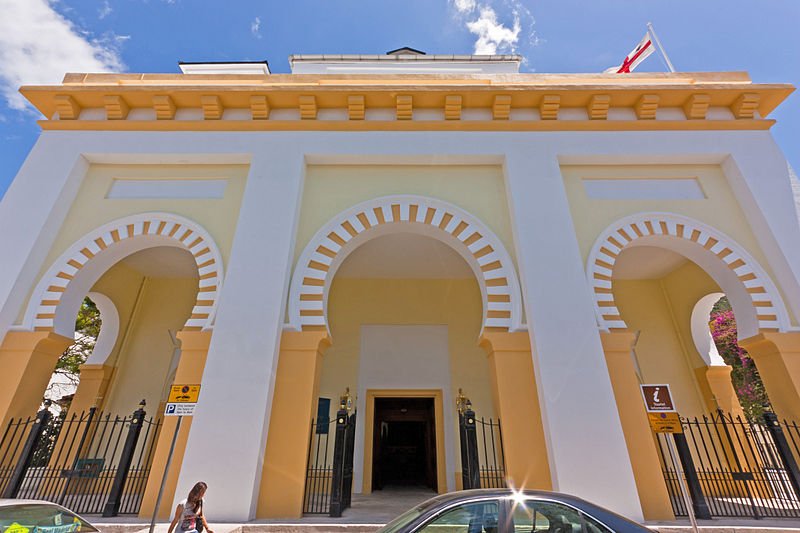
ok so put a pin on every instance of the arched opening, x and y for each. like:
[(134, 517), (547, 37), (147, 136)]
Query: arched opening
[(124, 334), (66, 376), (747, 384), (405, 313)]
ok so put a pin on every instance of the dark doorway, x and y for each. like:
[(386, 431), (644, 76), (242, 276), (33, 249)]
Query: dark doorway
[(404, 443)]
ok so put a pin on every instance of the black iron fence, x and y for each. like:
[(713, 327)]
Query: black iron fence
[(734, 467), (482, 460), (329, 475), (91, 462)]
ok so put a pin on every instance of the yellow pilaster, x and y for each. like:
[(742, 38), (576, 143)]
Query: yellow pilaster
[(91, 388), (27, 360), (517, 402), (777, 357), (718, 378), (635, 426), (293, 405), (194, 350)]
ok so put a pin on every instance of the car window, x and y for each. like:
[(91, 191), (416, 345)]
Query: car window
[(40, 518), (536, 516), (476, 517)]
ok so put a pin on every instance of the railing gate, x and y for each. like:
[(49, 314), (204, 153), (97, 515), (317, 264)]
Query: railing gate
[(482, 459), (735, 467), (81, 461)]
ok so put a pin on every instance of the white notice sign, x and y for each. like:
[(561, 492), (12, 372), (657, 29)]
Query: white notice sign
[(179, 409)]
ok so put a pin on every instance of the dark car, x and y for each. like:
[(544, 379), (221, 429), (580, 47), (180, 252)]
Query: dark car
[(34, 516), (507, 511)]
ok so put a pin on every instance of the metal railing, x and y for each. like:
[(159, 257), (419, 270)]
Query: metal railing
[(329, 475), (735, 467), (482, 459), (91, 462)]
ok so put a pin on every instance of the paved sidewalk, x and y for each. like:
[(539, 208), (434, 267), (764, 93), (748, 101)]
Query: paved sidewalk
[(369, 512)]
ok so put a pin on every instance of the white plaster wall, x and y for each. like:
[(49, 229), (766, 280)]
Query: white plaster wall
[(239, 378), (405, 357)]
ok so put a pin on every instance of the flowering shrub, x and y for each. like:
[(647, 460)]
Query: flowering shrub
[(746, 380)]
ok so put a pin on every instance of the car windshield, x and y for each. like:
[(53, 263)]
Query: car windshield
[(403, 520), (40, 518), (406, 518)]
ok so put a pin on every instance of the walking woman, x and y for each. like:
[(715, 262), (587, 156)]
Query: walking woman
[(189, 516)]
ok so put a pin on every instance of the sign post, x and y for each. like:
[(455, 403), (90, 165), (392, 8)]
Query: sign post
[(182, 401), (664, 418)]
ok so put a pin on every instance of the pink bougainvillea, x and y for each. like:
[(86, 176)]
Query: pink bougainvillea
[(746, 380)]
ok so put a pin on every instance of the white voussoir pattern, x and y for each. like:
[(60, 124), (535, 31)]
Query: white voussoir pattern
[(119, 239), (465, 233), (770, 313)]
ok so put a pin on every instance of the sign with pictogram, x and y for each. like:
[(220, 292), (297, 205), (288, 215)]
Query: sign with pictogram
[(179, 409), (657, 399), (665, 422), (184, 394)]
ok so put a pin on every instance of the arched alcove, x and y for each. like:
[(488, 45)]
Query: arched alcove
[(755, 299), (469, 237)]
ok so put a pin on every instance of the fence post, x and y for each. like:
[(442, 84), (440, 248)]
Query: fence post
[(337, 483), (43, 417), (785, 452), (115, 496), (347, 478), (695, 490), (470, 469)]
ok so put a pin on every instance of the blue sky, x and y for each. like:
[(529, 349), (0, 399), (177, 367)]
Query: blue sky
[(42, 39)]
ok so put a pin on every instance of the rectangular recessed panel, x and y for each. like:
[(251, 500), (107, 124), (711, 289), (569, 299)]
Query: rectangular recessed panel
[(644, 189), (132, 189)]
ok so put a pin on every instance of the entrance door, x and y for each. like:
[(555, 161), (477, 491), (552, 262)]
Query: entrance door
[(404, 443)]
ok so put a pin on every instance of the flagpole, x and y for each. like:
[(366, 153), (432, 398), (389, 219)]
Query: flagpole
[(661, 48)]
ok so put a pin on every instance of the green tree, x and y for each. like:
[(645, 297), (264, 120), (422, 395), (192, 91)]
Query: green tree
[(746, 380), (87, 329)]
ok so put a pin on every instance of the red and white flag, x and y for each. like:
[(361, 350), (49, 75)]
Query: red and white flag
[(639, 54)]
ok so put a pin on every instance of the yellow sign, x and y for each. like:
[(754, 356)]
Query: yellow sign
[(184, 394), (665, 422)]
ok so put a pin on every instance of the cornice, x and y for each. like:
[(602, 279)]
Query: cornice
[(324, 102)]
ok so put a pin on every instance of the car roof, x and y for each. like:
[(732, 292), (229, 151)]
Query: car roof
[(601, 513)]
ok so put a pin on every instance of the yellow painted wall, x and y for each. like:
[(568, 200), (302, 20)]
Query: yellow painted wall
[(660, 309), (331, 189), (121, 285), (455, 303), (145, 358), (719, 209), (92, 209), (143, 349)]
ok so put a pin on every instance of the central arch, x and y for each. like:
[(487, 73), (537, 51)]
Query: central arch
[(465, 233)]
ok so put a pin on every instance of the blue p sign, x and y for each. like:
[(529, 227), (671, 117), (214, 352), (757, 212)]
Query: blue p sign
[(170, 408)]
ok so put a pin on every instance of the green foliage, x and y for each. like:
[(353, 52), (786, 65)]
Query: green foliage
[(87, 328), (746, 380)]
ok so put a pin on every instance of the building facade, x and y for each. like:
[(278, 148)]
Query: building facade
[(406, 227)]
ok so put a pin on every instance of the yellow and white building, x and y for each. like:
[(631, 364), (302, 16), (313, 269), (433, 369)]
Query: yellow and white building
[(405, 226)]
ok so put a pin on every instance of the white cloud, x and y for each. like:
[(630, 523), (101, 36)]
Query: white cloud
[(255, 27), (38, 45), (492, 35), (465, 6), (105, 10)]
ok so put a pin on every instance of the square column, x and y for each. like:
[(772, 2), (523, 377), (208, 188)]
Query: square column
[(641, 441), (293, 405), (777, 357), (194, 351), (517, 404), (229, 431), (575, 392), (27, 360)]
